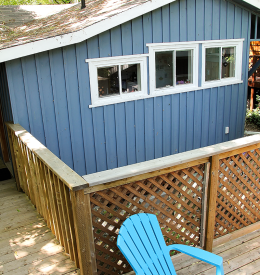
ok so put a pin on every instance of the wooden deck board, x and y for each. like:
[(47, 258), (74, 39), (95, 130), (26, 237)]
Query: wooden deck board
[(27, 245), (240, 256)]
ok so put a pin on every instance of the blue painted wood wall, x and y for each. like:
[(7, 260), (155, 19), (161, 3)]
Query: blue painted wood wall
[(5, 104), (50, 93)]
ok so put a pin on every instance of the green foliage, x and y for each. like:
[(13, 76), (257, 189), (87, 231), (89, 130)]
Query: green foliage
[(253, 116)]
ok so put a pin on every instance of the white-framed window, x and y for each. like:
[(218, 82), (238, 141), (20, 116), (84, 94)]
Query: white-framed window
[(117, 79), (173, 67), (221, 62)]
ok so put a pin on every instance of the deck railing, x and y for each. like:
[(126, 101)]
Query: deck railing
[(203, 197)]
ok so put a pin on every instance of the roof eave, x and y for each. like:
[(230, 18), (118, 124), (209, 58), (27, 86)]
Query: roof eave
[(80, 35)]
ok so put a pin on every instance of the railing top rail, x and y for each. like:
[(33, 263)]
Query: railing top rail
[(57, 166), (118, 176)]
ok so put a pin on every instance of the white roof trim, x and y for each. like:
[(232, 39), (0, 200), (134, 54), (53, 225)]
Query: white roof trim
[(81, 35)]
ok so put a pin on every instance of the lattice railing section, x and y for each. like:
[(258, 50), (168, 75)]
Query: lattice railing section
[(175, 198), (238, 202)]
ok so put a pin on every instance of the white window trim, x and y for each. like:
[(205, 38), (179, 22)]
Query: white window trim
[(238, 43), (157, 47), (96, 63)]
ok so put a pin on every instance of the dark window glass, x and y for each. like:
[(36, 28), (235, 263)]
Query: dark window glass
[(258, 28), (131, 78), (183, 67), (108, 81), (252, 33), (212, 64), (164, 69), (228, 62)]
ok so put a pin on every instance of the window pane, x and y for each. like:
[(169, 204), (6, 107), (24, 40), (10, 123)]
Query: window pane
[(212, 64), (228, 62), (131, 78), (183, 67), (164, 69), (108, 82)]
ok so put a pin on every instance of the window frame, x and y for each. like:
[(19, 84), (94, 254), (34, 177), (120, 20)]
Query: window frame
[(238, 44), (175, 46), (96, 63)]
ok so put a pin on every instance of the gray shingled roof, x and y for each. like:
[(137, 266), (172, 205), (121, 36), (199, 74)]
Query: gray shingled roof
[(66, 21)]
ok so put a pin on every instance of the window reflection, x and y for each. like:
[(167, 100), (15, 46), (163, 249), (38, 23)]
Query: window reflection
[(108, 82), (164, 69), (228, 62), (131, 78), (183, 67), (212, 64)]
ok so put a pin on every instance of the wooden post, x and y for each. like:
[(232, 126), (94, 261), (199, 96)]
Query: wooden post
[(84, 232), (204, 206), (212, 195)]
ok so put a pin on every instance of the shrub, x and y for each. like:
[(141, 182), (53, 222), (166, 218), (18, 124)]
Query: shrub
[(253, 116)]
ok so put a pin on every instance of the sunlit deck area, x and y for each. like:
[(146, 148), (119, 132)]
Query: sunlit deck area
[(27, 245)]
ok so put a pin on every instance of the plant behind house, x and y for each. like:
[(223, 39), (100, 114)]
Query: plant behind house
[(253, 116)]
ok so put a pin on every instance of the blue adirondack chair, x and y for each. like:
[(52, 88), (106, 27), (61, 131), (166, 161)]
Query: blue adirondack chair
[(141, 242)]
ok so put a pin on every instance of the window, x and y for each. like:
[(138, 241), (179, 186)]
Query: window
[(221, 62), (117, 79), (173, 67)]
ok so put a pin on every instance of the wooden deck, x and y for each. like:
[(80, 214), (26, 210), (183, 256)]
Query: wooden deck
[(241, 257), (27, 245)]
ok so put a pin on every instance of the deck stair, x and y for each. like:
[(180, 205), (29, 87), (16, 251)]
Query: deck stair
[(27, 245)]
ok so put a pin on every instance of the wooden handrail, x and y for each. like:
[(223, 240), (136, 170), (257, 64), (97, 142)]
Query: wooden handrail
[(139, 171), (58, 167)]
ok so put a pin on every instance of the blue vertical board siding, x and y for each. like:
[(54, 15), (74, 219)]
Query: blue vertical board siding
[(175, 21), (139, 130), (149, 129), (116, 41), (120, 123), (61, 106), (158, 126), (32, 98), (166, 23), (212, 115), (98, 116), (223, 19), (227, 108), (197, 119), (230, 20), (137, 35), (127, 40), (166, 121), (183, 122), (190, 121), (183, 20), (157, 26), (47, 102), (147, 30), (175, 123), (17, 93), (215, 19), (205, 117), (233, 112), (220, 113), (86, 112), (109, 111), (56, 86), (208, 20), (191, 20), (71, 80), (130, 132), (199, 17)]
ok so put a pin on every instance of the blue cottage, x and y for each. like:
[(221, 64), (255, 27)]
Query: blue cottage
[(125, 81)]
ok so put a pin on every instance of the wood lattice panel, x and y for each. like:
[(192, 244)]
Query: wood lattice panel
[(174, 197), (238, 192)]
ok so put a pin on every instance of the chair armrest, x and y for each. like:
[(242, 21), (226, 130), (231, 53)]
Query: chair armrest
[(197, 253)]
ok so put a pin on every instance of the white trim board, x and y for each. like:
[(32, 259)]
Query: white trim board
[(81, 35), (169, 161)]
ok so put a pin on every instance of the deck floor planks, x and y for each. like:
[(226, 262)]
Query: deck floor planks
[(241, 256), (27, 245)]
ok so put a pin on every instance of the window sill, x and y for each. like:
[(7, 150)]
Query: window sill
[(175, 90), (224, 82), (117, 99)]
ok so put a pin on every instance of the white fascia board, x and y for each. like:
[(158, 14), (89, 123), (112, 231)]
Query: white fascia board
[(81, 35), (255, 3)]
